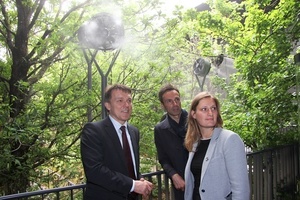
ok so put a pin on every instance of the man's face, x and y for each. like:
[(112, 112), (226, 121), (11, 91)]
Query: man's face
[(120, 106), (171, 103)]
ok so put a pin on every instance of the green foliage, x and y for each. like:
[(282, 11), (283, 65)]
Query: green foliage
[(259, 105)]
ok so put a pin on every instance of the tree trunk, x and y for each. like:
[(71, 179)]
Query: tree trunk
[(20, 66)]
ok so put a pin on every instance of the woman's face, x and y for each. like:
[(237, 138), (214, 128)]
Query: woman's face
[(206, 113)]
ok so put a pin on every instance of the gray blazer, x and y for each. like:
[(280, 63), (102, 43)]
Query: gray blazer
[(224, 170)]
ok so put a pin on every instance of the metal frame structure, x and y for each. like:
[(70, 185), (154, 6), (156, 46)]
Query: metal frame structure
[(103, 32)]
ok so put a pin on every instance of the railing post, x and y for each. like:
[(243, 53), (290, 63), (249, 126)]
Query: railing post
[(297, 63), (297, 73)]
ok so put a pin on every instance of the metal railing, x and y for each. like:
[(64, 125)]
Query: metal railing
[(161, 191), (55, 193), (273, 175)]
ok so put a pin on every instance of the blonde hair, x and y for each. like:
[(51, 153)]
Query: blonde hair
[(193, 131)]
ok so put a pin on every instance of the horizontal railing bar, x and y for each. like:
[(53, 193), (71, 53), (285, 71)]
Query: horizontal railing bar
[(42, 192), (61, 189)]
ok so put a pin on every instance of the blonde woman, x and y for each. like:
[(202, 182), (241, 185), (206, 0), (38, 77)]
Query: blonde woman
[(217, 167)]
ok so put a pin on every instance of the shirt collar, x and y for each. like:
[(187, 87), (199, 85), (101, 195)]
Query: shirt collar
[(116, 124)]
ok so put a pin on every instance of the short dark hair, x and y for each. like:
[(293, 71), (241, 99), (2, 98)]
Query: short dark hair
[(110, 88), (164, 89)]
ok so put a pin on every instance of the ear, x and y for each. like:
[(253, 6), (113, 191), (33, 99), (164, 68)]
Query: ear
[(193, 114), (162, 106), (107, 106)]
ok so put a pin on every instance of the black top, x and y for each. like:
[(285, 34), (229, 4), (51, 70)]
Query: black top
[(196, 166)]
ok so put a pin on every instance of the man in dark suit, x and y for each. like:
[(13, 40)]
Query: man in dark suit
[(103, 158), (169, 137)]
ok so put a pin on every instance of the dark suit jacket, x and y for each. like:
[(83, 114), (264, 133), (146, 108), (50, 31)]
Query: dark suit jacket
[(103, 160), (172, 154)]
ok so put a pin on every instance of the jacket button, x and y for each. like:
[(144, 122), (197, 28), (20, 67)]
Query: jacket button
[(202, 190)]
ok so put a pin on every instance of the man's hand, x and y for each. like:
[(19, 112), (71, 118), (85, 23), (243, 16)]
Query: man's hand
[(143, 187), (178, 182)]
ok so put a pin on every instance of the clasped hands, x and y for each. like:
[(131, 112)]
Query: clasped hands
[(143, 187)]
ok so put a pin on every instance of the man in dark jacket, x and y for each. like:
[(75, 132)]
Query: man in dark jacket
[(105, 163), (169, 137)]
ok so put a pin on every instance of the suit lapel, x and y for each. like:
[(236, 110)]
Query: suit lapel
[(134, 142), (210, 150), (113, 135), (166, 125)]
